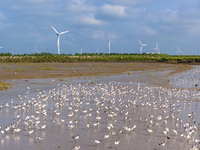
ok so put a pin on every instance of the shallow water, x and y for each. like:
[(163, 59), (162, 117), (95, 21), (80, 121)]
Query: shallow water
[(116, 102)]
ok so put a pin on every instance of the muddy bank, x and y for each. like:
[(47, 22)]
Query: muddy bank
[(10, 71)]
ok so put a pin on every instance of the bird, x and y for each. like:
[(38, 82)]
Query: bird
[(96, 142), (76, 137)]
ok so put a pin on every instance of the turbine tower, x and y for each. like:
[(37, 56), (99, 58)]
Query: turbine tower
[(178, 51), (58, 44), (108, 43), (141, 45), (156, 48)]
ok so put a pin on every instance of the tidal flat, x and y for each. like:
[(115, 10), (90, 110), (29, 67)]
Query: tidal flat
[(100, 106)]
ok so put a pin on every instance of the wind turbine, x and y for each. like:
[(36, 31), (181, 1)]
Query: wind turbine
[(35, 50), (169, 49), (81, 51), (1, 47), (156, 48), (97, 51), (58, 45), (178, 51), (141, 45), (108, 43)]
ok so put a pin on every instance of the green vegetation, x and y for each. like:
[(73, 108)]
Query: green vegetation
[(18, 69), (48, 68), (92, 81), (150, 73), (4, 86), (95, 57)]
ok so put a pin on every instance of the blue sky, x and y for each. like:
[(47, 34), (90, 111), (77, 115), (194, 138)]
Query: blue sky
[(171, 23)]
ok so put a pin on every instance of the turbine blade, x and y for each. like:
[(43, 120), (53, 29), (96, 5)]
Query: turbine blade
[(54, 29), (140, 42), (144, 44), (107, 36), (65, 32)]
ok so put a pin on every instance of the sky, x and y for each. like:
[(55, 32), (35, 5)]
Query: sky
[(25, 24)]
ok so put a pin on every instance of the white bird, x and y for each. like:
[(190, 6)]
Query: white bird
[(58, 44), (96, 141), (141, 45)]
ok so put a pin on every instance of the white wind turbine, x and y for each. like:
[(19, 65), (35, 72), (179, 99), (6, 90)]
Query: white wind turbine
[(141, 45), (35, 50), (178, 51), (108, 43), (81, 51), (156, 48), (169, 49), (58, 45)]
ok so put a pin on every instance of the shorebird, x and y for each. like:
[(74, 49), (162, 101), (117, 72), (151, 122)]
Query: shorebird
[(76, 137), (96, 142)]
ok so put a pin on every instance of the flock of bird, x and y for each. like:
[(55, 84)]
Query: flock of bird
[(104, 116)]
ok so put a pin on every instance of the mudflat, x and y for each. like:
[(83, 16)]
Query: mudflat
[(11, 71)]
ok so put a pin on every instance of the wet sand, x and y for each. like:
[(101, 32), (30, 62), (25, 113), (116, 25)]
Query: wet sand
[(12, 71)]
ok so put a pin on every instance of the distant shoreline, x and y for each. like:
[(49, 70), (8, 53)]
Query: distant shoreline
[(144, 58)]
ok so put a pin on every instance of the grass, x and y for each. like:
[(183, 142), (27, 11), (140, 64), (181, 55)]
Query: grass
[(101, 66), (91, 57), (6, 67), (18, 69), (4, 86), (62, 80), (92, 81), (150, 73), (47, 68)]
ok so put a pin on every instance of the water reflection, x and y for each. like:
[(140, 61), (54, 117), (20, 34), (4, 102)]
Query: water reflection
[(136, 115)]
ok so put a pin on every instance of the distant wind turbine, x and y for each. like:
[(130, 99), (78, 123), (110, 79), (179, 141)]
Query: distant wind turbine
[(1, 47), (108, 43), (58, 44), (141, 45), (156, 48), (81, 51), (35, 50), (169, 49), (178, 51)]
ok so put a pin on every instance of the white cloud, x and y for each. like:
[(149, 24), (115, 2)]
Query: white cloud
[(39, 1), (135, 12), (114, 10), (79, 6), (2, 17), (98, 35), (88, 20), (131, 2), (170, 16)]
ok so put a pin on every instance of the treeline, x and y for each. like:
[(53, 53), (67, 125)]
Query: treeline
[(96, 57)]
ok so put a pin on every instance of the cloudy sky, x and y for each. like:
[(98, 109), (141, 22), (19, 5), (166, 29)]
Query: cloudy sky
[(25, 24)]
